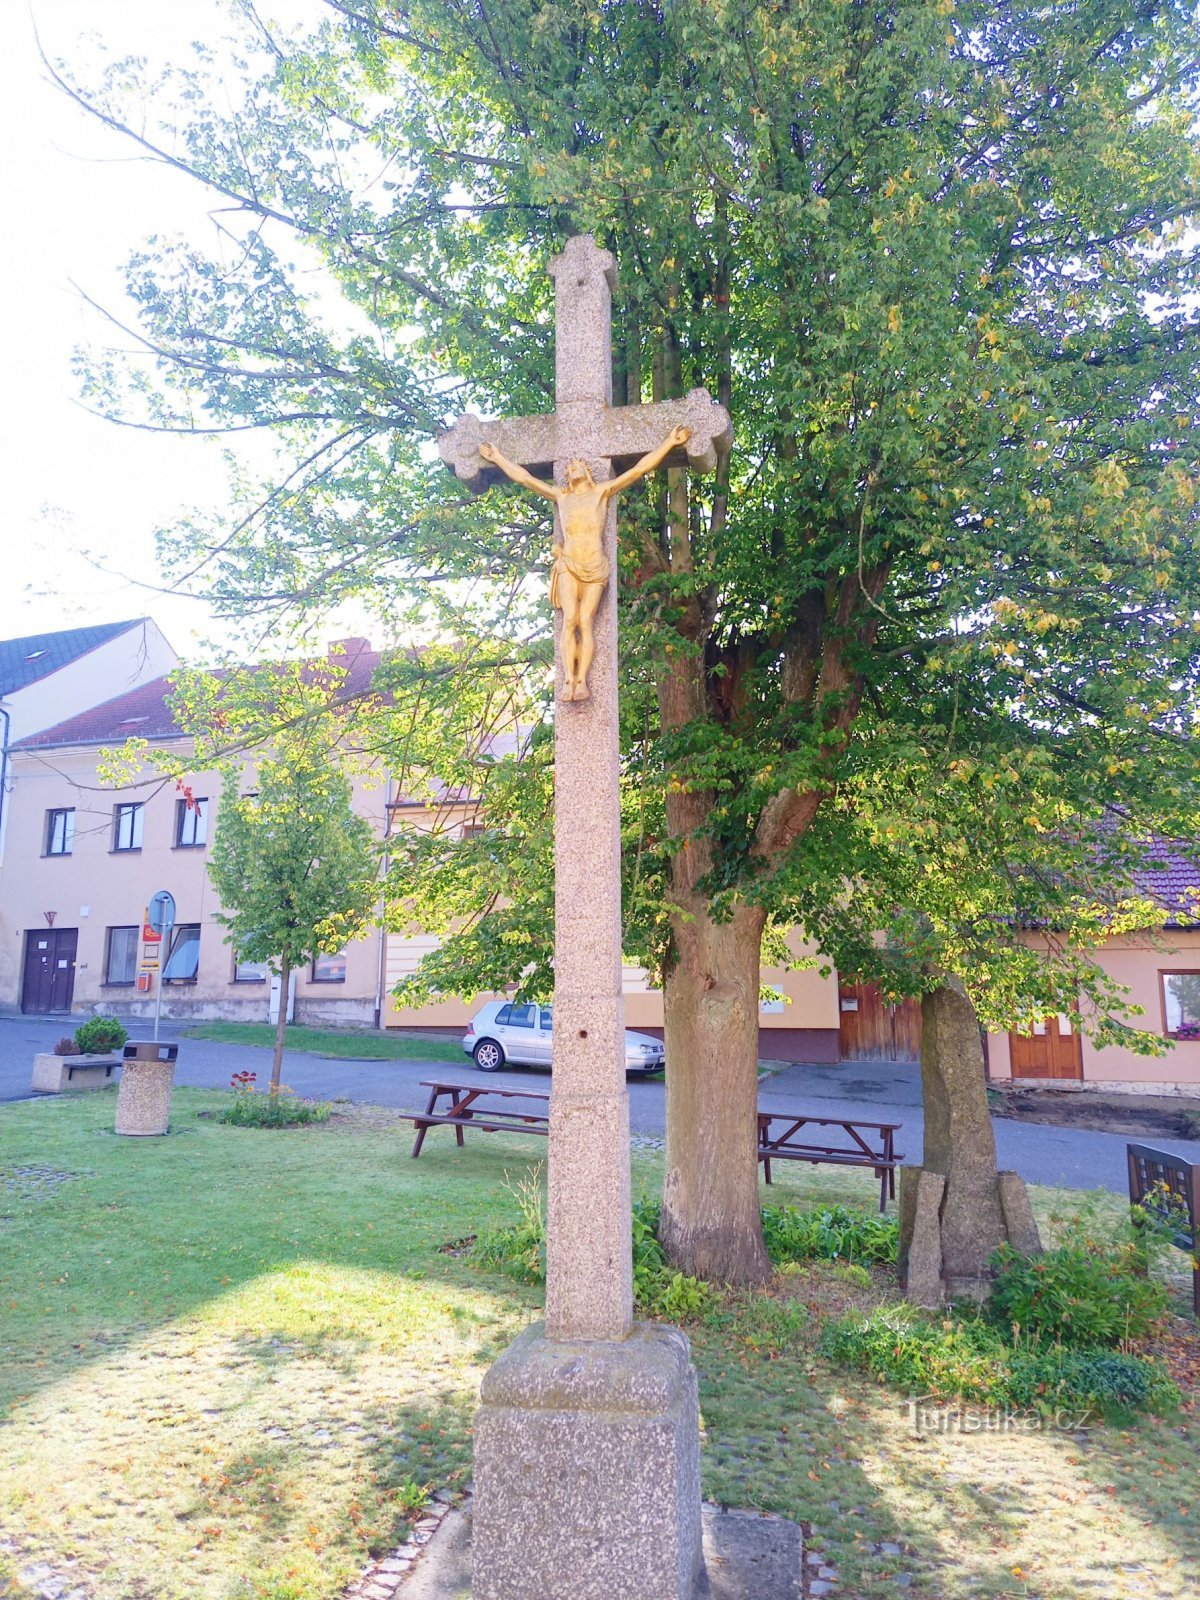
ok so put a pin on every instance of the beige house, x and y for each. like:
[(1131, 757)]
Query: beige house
[(45, 677), (83, 861)]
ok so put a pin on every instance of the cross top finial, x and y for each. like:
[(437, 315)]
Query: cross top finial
[(583, 258)]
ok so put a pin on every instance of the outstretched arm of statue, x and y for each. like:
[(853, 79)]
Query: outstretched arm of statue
[(518, 474), (652, 459)]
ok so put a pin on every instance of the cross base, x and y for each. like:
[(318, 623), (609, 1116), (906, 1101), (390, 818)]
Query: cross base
[(587, 1470)]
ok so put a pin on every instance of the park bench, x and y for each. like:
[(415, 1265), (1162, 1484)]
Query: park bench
[(864, 1144), (468, 1105), (1167, 1188)]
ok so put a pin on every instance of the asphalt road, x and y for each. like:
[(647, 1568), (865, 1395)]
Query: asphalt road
[(877, 1091)]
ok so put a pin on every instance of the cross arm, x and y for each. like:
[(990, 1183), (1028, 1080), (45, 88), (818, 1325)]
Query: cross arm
[(620, 434)]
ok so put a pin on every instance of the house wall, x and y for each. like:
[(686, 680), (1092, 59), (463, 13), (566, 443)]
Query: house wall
[(95, 888), (1136, 961), (805, 1029), (134, 657)]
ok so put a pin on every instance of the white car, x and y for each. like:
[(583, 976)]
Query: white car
[(504, 1031)]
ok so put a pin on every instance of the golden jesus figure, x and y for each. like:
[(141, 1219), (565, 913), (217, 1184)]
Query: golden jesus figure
[(580, 569)]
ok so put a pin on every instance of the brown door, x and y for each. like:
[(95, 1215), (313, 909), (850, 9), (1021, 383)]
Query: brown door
[(871, 1028), (49, 981), (1052, 1050)]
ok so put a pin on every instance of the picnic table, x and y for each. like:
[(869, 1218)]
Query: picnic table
[(1168, 1188), (864, 1144), (470, 1105)]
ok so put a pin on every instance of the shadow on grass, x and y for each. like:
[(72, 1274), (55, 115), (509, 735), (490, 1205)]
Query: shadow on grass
[(153, 1233)]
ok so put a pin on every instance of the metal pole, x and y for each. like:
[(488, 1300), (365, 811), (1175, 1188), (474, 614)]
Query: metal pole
[(158, 995)]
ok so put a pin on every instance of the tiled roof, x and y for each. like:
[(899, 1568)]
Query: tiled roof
[(1172, 878), (142, 713), (146, 712), (24, 661)]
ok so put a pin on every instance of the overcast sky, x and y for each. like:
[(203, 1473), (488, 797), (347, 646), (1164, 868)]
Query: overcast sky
[(76, 203)]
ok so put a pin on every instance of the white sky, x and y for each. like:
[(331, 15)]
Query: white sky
[(77, 203)]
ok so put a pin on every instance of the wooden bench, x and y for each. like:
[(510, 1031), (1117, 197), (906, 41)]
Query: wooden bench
[(458, 1106), (866, 1144), (1167, 1188)]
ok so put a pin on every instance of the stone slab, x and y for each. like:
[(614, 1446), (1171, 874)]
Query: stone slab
[(70, 1074), (920, 1262), (587, 1470), (746, 1557), (1020, 1225)]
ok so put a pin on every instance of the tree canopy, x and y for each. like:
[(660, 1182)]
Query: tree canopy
[(936, 259)]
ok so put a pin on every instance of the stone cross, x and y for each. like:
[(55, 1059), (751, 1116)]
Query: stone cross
[(588, 1271)]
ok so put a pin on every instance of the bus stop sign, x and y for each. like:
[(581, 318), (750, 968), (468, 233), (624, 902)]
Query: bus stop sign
[(160, 914)]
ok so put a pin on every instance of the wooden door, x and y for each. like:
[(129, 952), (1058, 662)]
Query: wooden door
[(871, 1028), (49, 980), (1052, 1050)]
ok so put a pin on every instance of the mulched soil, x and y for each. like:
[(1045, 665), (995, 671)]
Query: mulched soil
[(1178, 1346), (1138, 1115)]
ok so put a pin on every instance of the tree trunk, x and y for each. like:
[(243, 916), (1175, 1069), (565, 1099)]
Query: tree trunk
[(285, 974), (711, 1222), (956, 1210)]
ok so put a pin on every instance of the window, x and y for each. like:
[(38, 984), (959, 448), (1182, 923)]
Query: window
[(330, 969), (127, 826), (547, 1019), (183, 962), (191, 823), (60, 831), (517, 1017), (120, 964), (1181, 1004), (249, 971)]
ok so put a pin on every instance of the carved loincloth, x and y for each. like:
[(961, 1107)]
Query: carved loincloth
[(586, 569)]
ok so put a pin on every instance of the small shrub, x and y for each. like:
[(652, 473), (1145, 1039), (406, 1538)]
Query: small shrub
[(1078, 1294), (968, 1358), (281, 1108), (99, 1036), (766, 1325), (520, 1248), (833, 1233), (66, 1047), (657, 1286)]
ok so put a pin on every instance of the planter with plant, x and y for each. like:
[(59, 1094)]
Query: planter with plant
[(86, 1061)]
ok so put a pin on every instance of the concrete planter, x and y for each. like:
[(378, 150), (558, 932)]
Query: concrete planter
[(66, 1074), (144, 1101)]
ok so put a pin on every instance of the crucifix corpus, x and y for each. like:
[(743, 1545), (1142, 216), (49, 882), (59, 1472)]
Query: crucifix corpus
[(580, 572), (587, 1440)]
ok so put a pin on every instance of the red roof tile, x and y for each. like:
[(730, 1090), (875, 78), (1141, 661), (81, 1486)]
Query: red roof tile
[(146, 712)]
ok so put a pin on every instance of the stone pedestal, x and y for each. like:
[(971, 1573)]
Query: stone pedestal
[(587, 1470), (66, 1074), (144, 1098)]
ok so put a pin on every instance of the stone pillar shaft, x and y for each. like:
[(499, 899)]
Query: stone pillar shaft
[(589, 1288)]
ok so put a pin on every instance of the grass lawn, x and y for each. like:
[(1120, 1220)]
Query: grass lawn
[(341, 1043), (234, 1362)]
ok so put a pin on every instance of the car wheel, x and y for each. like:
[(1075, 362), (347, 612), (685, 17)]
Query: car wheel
[(488, 1055)]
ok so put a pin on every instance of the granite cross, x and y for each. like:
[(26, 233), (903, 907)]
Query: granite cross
[(588, 1269)]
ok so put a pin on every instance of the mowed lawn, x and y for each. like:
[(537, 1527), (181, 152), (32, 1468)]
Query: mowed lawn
[(234, 1363)]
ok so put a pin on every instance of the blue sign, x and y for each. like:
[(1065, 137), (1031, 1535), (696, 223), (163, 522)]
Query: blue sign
[(160, 913)]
